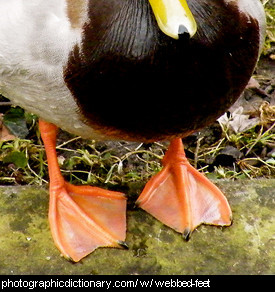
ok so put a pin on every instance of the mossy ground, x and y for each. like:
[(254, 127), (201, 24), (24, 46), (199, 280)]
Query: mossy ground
[(246, 247)]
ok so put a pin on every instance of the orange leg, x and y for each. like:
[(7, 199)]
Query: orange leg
[(183, 198), (81, 218)]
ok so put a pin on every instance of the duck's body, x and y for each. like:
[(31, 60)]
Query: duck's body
[(104, 70), (111, 77)]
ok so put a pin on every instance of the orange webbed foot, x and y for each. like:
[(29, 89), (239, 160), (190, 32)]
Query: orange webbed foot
[(81, 218), (183, 198)]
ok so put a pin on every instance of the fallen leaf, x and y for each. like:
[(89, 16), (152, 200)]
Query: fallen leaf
[(17, 158), (5, 134), (15, 121), (237, 121), (252, 83)]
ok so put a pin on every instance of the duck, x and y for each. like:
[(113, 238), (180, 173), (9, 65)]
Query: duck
[(133, 70)]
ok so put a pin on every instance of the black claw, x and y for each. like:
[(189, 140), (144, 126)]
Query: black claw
[(231, 219), (187, 234), (68, 258), (137, 203), (123, 244)]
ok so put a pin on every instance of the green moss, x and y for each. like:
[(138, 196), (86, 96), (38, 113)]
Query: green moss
[(247, 247)]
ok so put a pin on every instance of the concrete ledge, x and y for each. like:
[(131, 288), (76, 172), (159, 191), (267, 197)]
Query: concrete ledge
[(247, 247)]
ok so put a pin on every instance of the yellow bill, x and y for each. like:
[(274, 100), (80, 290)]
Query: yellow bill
[(174, 17)]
